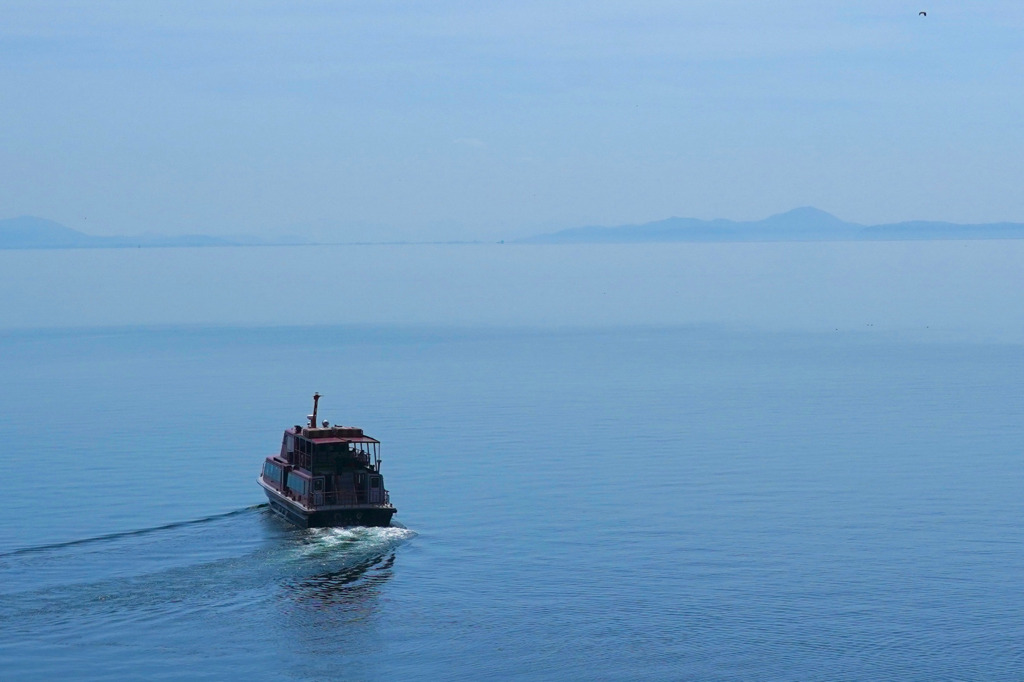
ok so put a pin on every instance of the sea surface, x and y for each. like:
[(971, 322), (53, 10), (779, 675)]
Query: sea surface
[(684, 462)]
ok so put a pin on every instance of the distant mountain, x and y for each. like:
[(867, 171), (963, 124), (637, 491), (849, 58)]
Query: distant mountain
[(29, 232), (800, 224)]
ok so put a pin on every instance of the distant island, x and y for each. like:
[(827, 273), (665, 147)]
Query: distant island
[(800, 224), (30, 232)]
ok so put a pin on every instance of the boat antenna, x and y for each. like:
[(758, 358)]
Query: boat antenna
[(312, 417)]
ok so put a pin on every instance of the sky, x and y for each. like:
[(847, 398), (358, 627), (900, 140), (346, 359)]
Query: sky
[(442, 119)]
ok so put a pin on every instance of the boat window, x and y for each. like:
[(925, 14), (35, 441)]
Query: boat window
[(297, 484), (272, 472), (375, 482)]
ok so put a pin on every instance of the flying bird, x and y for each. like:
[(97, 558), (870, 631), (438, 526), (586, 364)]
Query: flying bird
[(922, 14)]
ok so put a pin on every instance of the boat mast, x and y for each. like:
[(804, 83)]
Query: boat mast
[(312, 417)]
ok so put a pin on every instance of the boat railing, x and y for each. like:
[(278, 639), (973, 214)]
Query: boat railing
[(338, 497), (342, 498)]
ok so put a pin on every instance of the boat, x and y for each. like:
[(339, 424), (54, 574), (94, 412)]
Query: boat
[(327, 476)]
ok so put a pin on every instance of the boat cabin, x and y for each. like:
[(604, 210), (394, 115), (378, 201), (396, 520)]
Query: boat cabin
[(328, 465)]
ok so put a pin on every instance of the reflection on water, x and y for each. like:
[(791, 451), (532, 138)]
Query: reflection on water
[(350, 586), (340, 569), (329, 597)]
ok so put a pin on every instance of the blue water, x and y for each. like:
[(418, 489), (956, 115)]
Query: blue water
[(621, 501)]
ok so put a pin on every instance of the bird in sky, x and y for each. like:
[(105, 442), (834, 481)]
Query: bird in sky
[(922, 14)]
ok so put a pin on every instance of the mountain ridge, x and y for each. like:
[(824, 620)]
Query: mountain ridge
[(805, 223), (32, 232)]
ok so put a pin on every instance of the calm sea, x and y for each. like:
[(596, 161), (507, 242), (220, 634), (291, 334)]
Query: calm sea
[(706, 462)]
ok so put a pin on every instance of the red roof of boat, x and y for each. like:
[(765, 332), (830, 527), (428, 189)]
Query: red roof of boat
[(356, 439), (333, 434)]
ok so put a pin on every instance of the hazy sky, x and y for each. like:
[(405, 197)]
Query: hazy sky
[(444, 119)]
